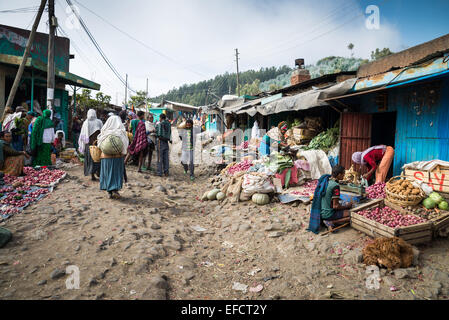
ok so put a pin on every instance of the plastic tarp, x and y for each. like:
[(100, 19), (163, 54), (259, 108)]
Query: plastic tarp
[(318, 161), (426, 165), (302, 101)]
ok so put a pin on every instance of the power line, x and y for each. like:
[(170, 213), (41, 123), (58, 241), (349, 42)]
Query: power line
[(97, 46), (84, 57), (140, 42)]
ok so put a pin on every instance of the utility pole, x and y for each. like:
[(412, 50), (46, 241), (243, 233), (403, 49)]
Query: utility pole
[(51, 55), (146, 98), (237, 61), (26, 54), (126, 92)]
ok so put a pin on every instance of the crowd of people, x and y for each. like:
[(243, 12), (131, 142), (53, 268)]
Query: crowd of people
[(28, 138), (131, 137)]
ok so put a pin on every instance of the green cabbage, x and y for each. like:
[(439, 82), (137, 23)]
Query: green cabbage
[(443, 205), (429, 203), (436, 197)]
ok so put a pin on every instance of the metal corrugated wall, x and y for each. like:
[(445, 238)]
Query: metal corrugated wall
[(422, 127)]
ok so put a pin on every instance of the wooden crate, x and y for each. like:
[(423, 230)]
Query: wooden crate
[(437, 224), (415, 234), (437, 179)]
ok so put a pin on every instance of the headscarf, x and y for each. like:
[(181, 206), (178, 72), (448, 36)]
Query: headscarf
[(43, 122), (114, 126), (63, 137), (140, 141), (358, 157), (9, 122), (7, 112), (133, 115), (282, 125), (90, 126)]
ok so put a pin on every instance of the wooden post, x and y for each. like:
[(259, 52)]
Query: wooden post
[(19, 73), (32, 90), (51, 56), (237, 61)]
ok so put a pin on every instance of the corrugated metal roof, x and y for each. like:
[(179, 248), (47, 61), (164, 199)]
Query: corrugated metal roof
[(406, 57)]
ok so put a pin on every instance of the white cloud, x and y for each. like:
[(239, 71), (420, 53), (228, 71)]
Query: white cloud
[(201, 37)]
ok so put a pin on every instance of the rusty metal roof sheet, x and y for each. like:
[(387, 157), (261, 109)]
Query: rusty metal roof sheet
[(406, 57)]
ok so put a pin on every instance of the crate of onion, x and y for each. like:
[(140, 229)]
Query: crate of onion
[(378, 220), (439, 219)]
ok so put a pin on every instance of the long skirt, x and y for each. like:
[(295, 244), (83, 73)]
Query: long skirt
[(90, 167), (13, 166), (43, 157), (111, 174), (384, 166)]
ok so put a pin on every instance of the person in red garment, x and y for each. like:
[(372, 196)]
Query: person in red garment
[(377, 159)]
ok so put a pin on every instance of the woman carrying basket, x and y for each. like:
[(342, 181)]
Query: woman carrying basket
[(113, 137), (89, 132)]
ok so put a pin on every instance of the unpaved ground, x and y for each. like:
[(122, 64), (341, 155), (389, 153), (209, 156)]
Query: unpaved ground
[(144, 247)]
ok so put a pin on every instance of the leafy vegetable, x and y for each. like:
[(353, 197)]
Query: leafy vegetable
[(325, 140)]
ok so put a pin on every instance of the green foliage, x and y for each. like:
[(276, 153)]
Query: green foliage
[(84, 101), (196, 94), (376, 55), (251, 89), (139, 98)]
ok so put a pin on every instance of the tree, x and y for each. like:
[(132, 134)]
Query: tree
[(84, 101), (376, 55), (250, 89), (351, 47), (139, 98)]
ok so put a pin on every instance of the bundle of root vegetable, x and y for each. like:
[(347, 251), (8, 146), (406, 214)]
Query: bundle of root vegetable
[(392, 253), (402, 192), (427, 214)]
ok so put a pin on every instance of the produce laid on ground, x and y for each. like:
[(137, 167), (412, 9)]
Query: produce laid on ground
[(308, 189), (19, 192), (390, 217), (238, 167), (376, 191)]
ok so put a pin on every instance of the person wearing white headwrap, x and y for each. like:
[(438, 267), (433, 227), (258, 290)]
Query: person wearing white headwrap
[(113, 166), (89, 132)]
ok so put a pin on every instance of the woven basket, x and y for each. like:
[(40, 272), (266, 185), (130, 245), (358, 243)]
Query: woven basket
[(95, 152), (403, 201)]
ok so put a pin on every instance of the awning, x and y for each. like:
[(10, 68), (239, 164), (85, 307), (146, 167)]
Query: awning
[(177, 106), (245, 105), (62, 76), (305, 100), (404, 83)]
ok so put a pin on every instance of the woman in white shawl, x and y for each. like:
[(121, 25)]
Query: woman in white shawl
[(113, 166), (89, 132)]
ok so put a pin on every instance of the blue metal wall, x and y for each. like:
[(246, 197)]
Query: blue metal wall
[(422, 128)]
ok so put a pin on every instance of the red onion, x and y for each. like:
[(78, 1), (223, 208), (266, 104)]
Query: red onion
[(376, 191), (241, 166), (390, 217)]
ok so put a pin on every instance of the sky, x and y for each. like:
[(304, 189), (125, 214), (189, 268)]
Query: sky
[(176, 42)]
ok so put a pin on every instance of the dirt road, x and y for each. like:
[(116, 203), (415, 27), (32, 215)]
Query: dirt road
[(160, 242)]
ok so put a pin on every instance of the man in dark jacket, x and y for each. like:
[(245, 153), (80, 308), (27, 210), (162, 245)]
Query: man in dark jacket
[(163, 135)]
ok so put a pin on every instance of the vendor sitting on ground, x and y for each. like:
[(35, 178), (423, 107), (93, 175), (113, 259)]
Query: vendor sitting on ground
[(11, 161), (332, 212), (378, 159), (326, 205)]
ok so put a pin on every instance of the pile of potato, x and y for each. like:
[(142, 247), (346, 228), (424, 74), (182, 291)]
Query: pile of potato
[(403, 187)]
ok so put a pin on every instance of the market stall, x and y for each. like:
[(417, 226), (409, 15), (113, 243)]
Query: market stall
[(409, 206), (17, 193)]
